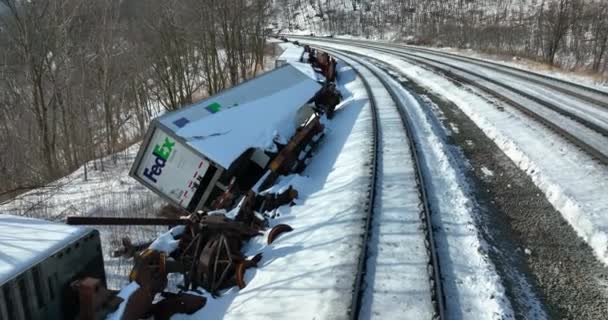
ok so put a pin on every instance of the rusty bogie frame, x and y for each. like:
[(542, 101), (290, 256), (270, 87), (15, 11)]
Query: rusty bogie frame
[(215, 264), (289, 160)]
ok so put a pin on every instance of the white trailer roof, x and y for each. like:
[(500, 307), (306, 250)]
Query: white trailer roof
[(25, 242), (246, 116), (292, 52)]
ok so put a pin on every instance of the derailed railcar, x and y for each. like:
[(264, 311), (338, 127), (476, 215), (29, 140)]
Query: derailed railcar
[(190, 156)]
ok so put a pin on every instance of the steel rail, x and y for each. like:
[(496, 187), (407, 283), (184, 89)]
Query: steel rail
[(600, 99), (354, 308), (593, 126), (555, 127), (437, 294)]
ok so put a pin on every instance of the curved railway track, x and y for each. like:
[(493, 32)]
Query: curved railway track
[(494, 88), (582, 92), (433, 265), (549, 105)]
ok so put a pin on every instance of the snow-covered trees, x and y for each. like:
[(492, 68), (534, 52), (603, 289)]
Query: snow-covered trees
[(572, 33)]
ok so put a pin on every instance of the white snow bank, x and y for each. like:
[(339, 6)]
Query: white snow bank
[(24, 242), (73, 195)]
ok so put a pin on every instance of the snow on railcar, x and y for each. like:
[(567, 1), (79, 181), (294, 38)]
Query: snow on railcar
[(190, 156), (292, 53), (39, 260)]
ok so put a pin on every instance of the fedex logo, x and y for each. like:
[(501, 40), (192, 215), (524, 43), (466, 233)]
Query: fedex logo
[(162, 153)]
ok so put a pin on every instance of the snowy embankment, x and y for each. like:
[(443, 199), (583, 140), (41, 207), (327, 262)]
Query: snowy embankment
[(309, 272), (571, 180), (73, 195)]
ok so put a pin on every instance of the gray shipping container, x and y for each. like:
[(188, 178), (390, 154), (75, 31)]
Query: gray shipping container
[(189, 156)]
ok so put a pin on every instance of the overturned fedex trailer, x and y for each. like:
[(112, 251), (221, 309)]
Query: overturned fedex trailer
[(190, 156)]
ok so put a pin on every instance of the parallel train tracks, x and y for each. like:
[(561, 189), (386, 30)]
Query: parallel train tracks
[(587, 133), (582, 92)]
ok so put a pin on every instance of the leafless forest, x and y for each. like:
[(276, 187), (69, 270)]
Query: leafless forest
[(573, 33), (81, 79)]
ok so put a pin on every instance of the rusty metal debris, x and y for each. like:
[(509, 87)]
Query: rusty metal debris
[(277, 230), (322, 62), (95, 300), (212, 249), (209, 255), (129, 249), (289, 160), (177, 303), (271, 201), (327, 99)]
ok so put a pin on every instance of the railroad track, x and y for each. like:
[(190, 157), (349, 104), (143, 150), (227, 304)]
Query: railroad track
[(586, 135), (389, 111), (582, 92)]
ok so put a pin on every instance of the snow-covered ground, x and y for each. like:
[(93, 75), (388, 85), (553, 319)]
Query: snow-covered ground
[(309, 272), (73, 195), (572, 181)]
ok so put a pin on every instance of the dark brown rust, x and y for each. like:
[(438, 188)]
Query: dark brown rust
[(129, 249), (277, 230), (177, 303), (271, 201), (94, 299), (247, 214), (327, 99), (288, 156), (240, 275)]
